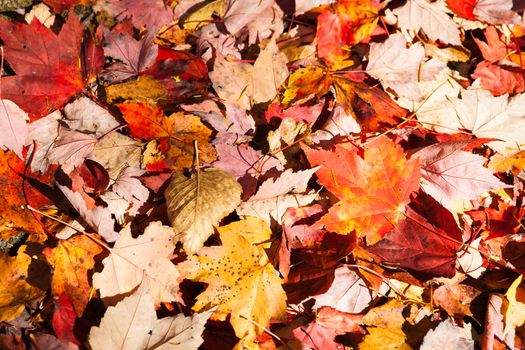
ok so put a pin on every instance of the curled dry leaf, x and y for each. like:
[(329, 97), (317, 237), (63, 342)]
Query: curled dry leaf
[(197, 203)]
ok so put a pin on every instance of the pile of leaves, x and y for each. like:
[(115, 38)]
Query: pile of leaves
[(262, 174)]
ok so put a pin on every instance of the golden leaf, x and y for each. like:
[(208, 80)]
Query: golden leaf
[(198, 203), (241, 281)]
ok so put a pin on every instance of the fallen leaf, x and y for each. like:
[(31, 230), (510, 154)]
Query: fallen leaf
[(133, 324), (344, 25), (348, 293), (415, 244), (500, 79), (196, 204), (455, 299), (515, 309), (133, 260), (274, 197), (241, 281), (422, 14), (447, 335), (46, 65), (449, 173), (16, 291), (72, 261), (85, 115), (372, 192), (13, 122)]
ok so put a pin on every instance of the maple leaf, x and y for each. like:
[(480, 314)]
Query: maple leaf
[(13, 122), (135, 56), (515, 309), (399, 67), (133, 324), (157, 14), (260, 19), (245, 84), (372, 192), (348, 292), (495, 12), (487, 116), (20, 188), (16, 291), (85, 115), (133, 260), (346, 24), (47, 66), (43, 133), (72, 259), (422, 14), (241, 281), (500, 79), (450, 173), (274, 197), (175, 134), (455, 299), (500, 219), (448, 335), (416, 244), (386, 323)]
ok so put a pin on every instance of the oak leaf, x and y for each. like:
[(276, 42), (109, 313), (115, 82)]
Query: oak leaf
[(372, 192), (241, 281), (133, 260), (196, 204)]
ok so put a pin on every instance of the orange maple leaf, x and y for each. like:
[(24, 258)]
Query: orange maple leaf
[(372, 191)]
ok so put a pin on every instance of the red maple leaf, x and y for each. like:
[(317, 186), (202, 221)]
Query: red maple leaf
[(47, 66)]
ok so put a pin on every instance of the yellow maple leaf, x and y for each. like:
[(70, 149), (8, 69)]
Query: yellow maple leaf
[(515, 310), (241, 280), (72, 260), (15, 291)]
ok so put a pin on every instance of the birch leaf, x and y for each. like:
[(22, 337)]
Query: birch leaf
[(196, 204)]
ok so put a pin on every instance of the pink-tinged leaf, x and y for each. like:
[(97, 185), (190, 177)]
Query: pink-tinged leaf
[(151, 14), (307, 114), (43, 133), (417, 245), (499, 79), (129, 187), (315, 336), (14, 127), (48, 341), (274, 197), (233, 124), (494, 49), (85, 115), (348, 292), (342, 321), (71, 149), (135, 56), (64, 320), (496, 12), (256, 15), (299, 231), (98, 217), (451, 173), (240, 160)]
